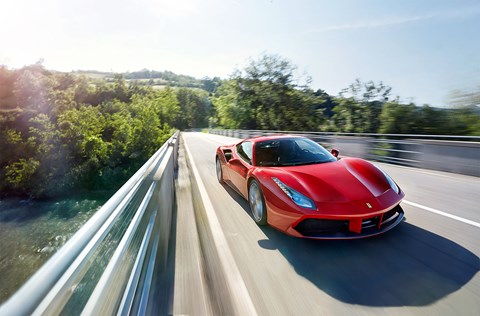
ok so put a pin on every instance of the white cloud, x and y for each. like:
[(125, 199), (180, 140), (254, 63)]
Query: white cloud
[(461, 13), (371, 24)]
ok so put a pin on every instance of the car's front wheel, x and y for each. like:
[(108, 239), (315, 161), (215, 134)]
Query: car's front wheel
[(257, 203), (218, 167)]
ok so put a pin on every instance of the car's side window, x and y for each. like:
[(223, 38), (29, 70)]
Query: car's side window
[(244, 151)]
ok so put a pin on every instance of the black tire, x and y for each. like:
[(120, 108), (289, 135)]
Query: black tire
[(257, 203), (218, 168)]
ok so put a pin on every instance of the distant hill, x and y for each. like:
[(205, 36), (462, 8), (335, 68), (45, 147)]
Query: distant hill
[(93, 73), (149, 77)]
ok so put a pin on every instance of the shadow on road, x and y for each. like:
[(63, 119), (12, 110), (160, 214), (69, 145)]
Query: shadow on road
[(407, 266)]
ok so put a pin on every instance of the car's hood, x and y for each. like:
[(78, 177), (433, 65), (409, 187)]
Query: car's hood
[(348, 179)]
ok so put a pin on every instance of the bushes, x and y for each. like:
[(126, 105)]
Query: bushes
[(69, 135)]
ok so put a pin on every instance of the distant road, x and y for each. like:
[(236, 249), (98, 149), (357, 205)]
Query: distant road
[(428, 265)]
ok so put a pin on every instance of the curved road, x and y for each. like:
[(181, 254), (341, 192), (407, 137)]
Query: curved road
[(428, 265)]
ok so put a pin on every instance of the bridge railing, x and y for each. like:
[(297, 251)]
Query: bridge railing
[(108, 267), (458, 154)]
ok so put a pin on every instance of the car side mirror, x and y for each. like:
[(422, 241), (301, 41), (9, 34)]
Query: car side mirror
[(335, 153)]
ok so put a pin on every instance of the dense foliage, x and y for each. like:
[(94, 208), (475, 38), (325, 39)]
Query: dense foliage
[(63, 133), (266, 95)]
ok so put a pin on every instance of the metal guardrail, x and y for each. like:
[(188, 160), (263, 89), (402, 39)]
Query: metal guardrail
[(459, 154), (109, 265)]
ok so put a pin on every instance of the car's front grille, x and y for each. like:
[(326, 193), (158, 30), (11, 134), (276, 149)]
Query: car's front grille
[(370, 222), (388, 216), (328, 228), (315, 226)]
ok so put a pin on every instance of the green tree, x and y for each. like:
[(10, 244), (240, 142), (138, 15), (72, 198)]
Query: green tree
[(211, 85), (61, 92), (81, 133), (358, 107), (79, 127), (232, 109), (325, 104), (84, 92), (148, 129), (465, 118), (194, 108), (165, 104), (399, 118), (7, 81), (120, 89), (19, 175), (64, 132), (31, 89), (266, 95), (349, 116), (464, 121), (53, 163), (431, 121), (367, 91)]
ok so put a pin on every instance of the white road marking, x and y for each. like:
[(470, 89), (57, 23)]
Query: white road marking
[(458, 218), (239, 292)]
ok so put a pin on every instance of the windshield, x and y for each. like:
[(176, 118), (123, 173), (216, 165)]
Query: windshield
[(290, 152)]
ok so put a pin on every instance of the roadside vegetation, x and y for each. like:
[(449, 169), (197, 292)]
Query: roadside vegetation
[(64, 133), (86, 130), (267, 95)]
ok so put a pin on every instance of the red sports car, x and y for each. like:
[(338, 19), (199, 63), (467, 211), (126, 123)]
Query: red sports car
[(297, 186)]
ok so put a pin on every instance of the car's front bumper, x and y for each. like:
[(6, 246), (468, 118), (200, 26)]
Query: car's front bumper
[(320, 228)]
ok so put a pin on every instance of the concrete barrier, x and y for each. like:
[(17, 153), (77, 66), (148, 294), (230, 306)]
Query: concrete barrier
[(451, 156)]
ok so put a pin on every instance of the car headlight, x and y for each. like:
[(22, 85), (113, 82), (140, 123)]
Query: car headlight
[(392, 183), (297, 197)]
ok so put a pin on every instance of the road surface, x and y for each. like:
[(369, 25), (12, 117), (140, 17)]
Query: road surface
[(428, 265)]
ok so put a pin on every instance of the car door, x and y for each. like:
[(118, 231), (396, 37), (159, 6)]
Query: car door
[(239, 167)]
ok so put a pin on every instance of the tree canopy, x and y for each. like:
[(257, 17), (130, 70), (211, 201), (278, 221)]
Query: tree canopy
[(62, 132), (266, 94)]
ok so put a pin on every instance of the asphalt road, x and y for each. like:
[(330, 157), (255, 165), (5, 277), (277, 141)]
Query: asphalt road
[(428, 265)]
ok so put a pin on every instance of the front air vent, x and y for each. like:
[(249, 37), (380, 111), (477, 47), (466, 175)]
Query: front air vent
[(311, 227), (228, 154)]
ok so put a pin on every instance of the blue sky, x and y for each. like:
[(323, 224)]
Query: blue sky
[(424, 49)]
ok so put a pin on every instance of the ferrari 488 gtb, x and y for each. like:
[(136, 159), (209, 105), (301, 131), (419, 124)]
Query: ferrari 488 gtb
[(297, 186)]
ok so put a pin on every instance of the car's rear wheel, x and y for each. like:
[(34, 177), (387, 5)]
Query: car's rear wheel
[(218, 167), (257, 203)]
